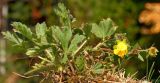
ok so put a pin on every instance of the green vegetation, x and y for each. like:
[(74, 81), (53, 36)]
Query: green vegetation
[(75, 54)]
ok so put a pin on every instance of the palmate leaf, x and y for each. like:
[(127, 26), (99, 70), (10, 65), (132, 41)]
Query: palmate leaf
[(97, 30), (56, 33), (104, 29), (63, 13), (66, 36), (11, 37), (97, 68), (80, 63), (41, 29), (41, 33), (62, 36), (22, 29), (75, 41)]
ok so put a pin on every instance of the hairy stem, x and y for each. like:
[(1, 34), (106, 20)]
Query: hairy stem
[(49, 55), (80, 47), (98, 45)]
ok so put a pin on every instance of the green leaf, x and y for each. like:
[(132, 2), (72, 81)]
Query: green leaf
[(44, 40), (80, 63), (74, 43), (11, 37), (112, 31), (104, 29), (64, 59), (87, 30), (22, 29), (97, 68), (98, 71), (140, 57), (41, 33), (56, 33), (63, 36), (67, 37), (63, 13), (41, 29), (136, 46), (96, 30)]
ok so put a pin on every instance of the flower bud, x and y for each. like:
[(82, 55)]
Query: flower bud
[(153, 51)]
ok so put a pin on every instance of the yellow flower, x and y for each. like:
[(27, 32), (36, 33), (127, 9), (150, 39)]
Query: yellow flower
[(121, 48), (153, 51)]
